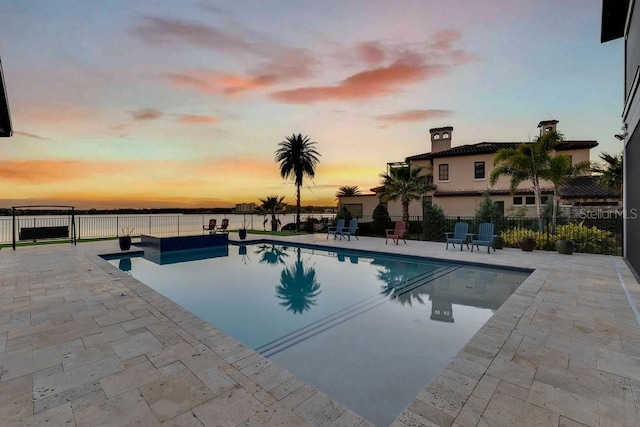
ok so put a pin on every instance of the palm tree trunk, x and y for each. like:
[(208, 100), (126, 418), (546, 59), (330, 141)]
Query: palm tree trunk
[(555, 211), (405, 210), (538, 198), (298, 209), (274, 222)]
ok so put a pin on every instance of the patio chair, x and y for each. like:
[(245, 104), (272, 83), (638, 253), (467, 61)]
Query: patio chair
[(224, 225), (211, 228), (459, 235), (336, 230), (351, 230), (397, 233), (484, 237)]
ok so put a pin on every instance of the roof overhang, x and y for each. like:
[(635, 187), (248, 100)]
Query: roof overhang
[(614, 16), (5, 120)]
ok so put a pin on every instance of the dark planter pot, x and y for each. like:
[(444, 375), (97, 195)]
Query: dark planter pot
[(242, 233), (498, 242), (125, 264), (125, 242), (242, 249), (527, 244), (565, 247)]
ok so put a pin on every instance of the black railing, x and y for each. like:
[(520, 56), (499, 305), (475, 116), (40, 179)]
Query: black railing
[(597, 235)]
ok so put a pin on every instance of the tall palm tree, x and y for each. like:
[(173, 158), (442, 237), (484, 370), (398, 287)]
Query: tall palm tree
[(560, 170), (272, 205), (298, 158), (347, 191), (612, 172), (298, 288), (526, 162), (404, 183)]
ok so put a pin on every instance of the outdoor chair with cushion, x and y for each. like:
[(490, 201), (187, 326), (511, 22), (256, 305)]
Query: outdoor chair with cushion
[(351, 230), (224, 225), (459, 235), (484, 237), (336, 230), (397, 233), (211, 228)]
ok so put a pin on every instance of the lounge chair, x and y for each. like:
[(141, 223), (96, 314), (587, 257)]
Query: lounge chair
[(484, 237), (459, 235), (397, 233), (351, 230), (211, 228), (336, 230), (224, 225)]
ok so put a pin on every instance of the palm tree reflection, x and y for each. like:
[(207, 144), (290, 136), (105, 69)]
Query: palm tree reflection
[(396, 278), (271, 254), (298, 288)]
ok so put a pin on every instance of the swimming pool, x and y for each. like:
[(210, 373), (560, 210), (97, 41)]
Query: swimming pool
[(370, 330)]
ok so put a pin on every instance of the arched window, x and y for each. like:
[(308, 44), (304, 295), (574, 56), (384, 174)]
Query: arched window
[(549, 129), (445, 135), (436, 136)]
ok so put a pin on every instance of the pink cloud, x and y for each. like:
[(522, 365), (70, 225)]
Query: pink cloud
[(412, 116), (371, 52), (406, 65), (196, 119)]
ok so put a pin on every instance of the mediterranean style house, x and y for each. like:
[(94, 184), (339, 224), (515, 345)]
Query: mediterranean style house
[(619, 20), (460, 176)]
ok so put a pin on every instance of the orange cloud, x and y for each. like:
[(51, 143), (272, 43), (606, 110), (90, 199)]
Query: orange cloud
[(366, 84), (48, 171), (196, 119), (214, 83), (146, 114), (412, 116)]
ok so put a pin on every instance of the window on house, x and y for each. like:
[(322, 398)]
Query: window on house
[(443, 172), (436, 136), (517, 201), (427, 200), (445, 135), (478, 168), (544, 199), (530, 200)]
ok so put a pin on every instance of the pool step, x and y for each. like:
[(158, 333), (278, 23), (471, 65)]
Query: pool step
[(354, 310)]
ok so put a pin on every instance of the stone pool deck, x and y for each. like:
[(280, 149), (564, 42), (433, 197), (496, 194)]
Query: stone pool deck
[(83, 343)]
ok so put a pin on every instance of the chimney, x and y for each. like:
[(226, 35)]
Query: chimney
[(547, 126), (441, 138)]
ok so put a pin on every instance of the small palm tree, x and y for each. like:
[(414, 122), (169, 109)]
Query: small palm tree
[(611, 173), (272, 205), (298, 158), (526, 162), (404, 183), (271, 254), (347, 191), (558, 171)]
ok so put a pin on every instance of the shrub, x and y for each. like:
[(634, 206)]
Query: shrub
[(343, 213), (381, 220), (488, 210), (587, 239), (310, 224), (435, 223)]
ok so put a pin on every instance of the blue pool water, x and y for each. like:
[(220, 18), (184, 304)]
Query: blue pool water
[(369, 330)]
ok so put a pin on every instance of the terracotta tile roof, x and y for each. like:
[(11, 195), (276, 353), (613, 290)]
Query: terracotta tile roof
[(520, 191), (493, 147)]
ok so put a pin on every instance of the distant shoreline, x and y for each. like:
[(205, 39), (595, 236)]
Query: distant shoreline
[(151, 211)]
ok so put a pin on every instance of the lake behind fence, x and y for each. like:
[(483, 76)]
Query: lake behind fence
[(99, 226)]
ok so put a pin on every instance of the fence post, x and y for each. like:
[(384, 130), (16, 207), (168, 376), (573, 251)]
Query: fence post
[(117, 226)]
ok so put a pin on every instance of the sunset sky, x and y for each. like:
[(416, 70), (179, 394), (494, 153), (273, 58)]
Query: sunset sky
[(183, 103)]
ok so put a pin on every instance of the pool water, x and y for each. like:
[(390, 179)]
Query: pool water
[(369, 330)]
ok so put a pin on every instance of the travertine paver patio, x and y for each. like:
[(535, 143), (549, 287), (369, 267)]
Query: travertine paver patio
[(83, 343)]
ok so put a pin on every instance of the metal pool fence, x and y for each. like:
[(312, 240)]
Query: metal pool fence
[(105, 226)]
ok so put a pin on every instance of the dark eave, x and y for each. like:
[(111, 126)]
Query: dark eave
[(520, 191), (614, 16), (584, 187), (493, 147), (5, 119)]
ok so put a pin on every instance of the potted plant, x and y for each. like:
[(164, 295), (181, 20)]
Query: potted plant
[(527, 244), (498, 242), (242, 232), (565, 246), (125, 240)]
